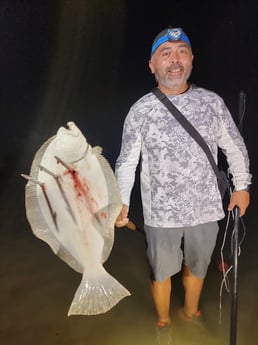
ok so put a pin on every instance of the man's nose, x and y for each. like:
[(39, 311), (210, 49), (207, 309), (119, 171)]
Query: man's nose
[(174, 57)]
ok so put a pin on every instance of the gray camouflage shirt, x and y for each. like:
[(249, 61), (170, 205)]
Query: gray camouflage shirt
[(178, 185)]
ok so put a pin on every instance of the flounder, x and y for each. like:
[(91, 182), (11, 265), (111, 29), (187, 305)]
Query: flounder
[(72, 201)]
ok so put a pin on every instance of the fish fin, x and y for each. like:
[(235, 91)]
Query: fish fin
[(109, 174), (97, 295), (104, 223), (97, 150), (67, 257), (33, 211), (34, 214), (114, 205)]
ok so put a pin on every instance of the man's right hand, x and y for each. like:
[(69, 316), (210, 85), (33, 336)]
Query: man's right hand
[(122, 219)]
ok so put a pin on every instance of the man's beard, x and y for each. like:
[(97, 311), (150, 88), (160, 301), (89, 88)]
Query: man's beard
[(176, 82)]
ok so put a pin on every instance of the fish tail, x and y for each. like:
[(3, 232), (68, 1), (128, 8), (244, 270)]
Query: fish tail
[(97, 295)]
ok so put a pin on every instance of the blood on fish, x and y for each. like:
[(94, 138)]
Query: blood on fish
[(82, 190), (103, 215)]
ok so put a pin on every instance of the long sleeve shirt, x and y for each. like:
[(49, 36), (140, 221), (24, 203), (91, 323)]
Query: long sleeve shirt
[(178, 185)]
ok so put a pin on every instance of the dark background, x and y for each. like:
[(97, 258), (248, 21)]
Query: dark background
[(87, 61)]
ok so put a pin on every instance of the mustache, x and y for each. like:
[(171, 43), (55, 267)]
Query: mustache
[(174, 66)]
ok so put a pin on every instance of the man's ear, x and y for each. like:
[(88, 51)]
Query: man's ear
[(152, 68)]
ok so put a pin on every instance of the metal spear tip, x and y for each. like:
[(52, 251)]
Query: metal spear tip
[(31, 179), (27, 177)]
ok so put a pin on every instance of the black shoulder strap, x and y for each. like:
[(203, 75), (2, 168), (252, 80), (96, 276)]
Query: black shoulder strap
[(188, 127)]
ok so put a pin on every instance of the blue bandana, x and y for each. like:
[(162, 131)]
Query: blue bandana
[(176, 34)]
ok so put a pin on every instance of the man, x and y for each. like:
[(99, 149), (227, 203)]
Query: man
[(179, 189)]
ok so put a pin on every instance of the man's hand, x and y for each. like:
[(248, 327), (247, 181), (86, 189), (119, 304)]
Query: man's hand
[(240, 198), (122, 219)]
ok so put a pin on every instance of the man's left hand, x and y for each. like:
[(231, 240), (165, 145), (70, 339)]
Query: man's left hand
[(240, 198)]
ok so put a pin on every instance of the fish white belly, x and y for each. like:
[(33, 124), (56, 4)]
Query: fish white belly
[(72, 205)]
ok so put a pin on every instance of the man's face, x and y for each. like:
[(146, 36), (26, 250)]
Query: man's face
[(172, 65)]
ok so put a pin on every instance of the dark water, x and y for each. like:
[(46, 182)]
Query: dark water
[(37, 289)]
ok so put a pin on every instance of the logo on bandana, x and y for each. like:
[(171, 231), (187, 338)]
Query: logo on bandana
[(174, 34)]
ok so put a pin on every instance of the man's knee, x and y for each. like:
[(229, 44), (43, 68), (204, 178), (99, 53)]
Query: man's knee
[(187, 272)]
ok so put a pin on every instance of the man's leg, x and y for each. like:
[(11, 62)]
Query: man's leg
[(161, 293), (199, 243), (193, 288)]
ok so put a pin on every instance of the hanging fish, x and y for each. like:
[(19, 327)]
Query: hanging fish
[(72, 201)]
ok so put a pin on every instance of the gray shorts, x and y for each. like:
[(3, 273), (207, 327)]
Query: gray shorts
[(166, 253)]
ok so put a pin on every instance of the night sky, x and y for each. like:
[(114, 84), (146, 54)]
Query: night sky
[(87, 61)]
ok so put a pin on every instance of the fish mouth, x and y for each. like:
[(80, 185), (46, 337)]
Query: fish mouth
[(71, 130), (71, 146)]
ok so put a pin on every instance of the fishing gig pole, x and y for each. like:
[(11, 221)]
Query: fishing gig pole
[(235, 240)]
